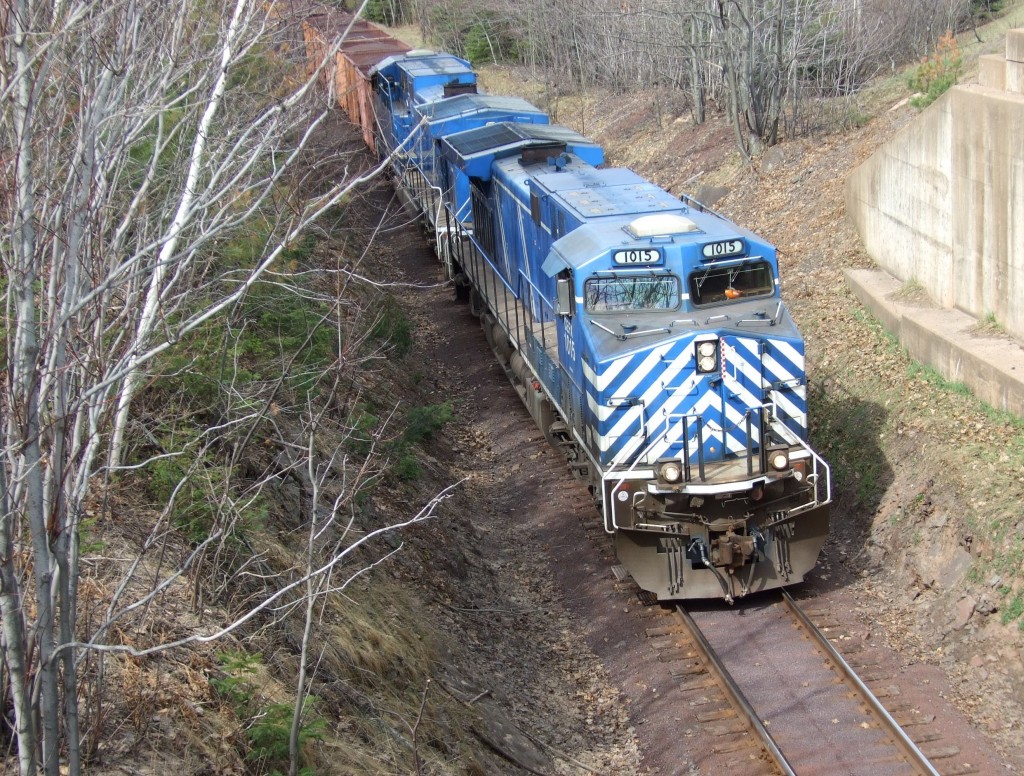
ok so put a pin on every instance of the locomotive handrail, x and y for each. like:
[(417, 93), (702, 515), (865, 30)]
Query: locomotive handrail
[(536, 291), (480, 251), (609, 474), (819, 463)]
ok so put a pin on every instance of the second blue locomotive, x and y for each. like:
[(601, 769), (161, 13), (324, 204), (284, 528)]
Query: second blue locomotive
[(646, 335)]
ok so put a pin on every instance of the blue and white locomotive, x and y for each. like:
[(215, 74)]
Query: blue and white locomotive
[(646, 335)]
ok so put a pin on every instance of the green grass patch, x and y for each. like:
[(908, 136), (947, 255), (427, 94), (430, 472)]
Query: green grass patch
[(1013, 610), (367, 434), (267, 725), (196, 481), (271, 355), (393, 328), (919, 371), (422, 423), (271, 728), (280, 330), (889, 341), (912, 289)]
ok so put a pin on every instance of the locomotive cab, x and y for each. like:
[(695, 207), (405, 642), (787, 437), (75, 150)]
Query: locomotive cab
[(695, 413)]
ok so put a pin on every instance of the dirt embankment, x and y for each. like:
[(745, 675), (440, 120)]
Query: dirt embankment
[(456, 654)]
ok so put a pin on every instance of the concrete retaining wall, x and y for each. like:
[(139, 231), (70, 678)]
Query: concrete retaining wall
[(943, 202)]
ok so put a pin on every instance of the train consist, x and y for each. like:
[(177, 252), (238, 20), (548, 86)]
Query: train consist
[(646, 335)]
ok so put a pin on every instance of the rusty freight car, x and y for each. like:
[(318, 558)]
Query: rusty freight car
[(365, 45)]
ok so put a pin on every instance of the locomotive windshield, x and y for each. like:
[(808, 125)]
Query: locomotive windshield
[(717, 284), (632, 292)]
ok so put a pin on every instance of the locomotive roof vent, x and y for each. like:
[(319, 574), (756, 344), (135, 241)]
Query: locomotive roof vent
[(420, 53), (454, 88), (541, 153), (661, 225)]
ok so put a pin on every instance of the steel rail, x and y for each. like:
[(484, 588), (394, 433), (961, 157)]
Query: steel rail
[(915, 755), (734, 693)]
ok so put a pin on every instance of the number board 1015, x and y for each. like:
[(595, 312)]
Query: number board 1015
[(722, 249), (637, 256)]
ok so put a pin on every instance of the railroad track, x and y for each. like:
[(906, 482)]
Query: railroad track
[(776, 697)]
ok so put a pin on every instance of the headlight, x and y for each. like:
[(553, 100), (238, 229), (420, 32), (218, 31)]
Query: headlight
[(671, 472), (707, 356), (779, 460)]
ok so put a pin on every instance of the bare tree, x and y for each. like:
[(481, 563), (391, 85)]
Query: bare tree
[(772, 66), (137, 137)]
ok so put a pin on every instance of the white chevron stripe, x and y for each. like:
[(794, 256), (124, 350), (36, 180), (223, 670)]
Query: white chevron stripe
[(735, 419), (796, 358), (737, 441), (641, 373), (650, 396), (738, 419), (777, 370), (750, 346), (749, 364), (655, 391), (611, 371), (789, 409), (629, 449), (742, 392), (743, 374), (630, 417), (708, 400), (670, 411), (734, 445), (658, 416)]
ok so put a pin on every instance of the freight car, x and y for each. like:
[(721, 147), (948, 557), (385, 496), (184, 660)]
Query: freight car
[(646, 335)]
